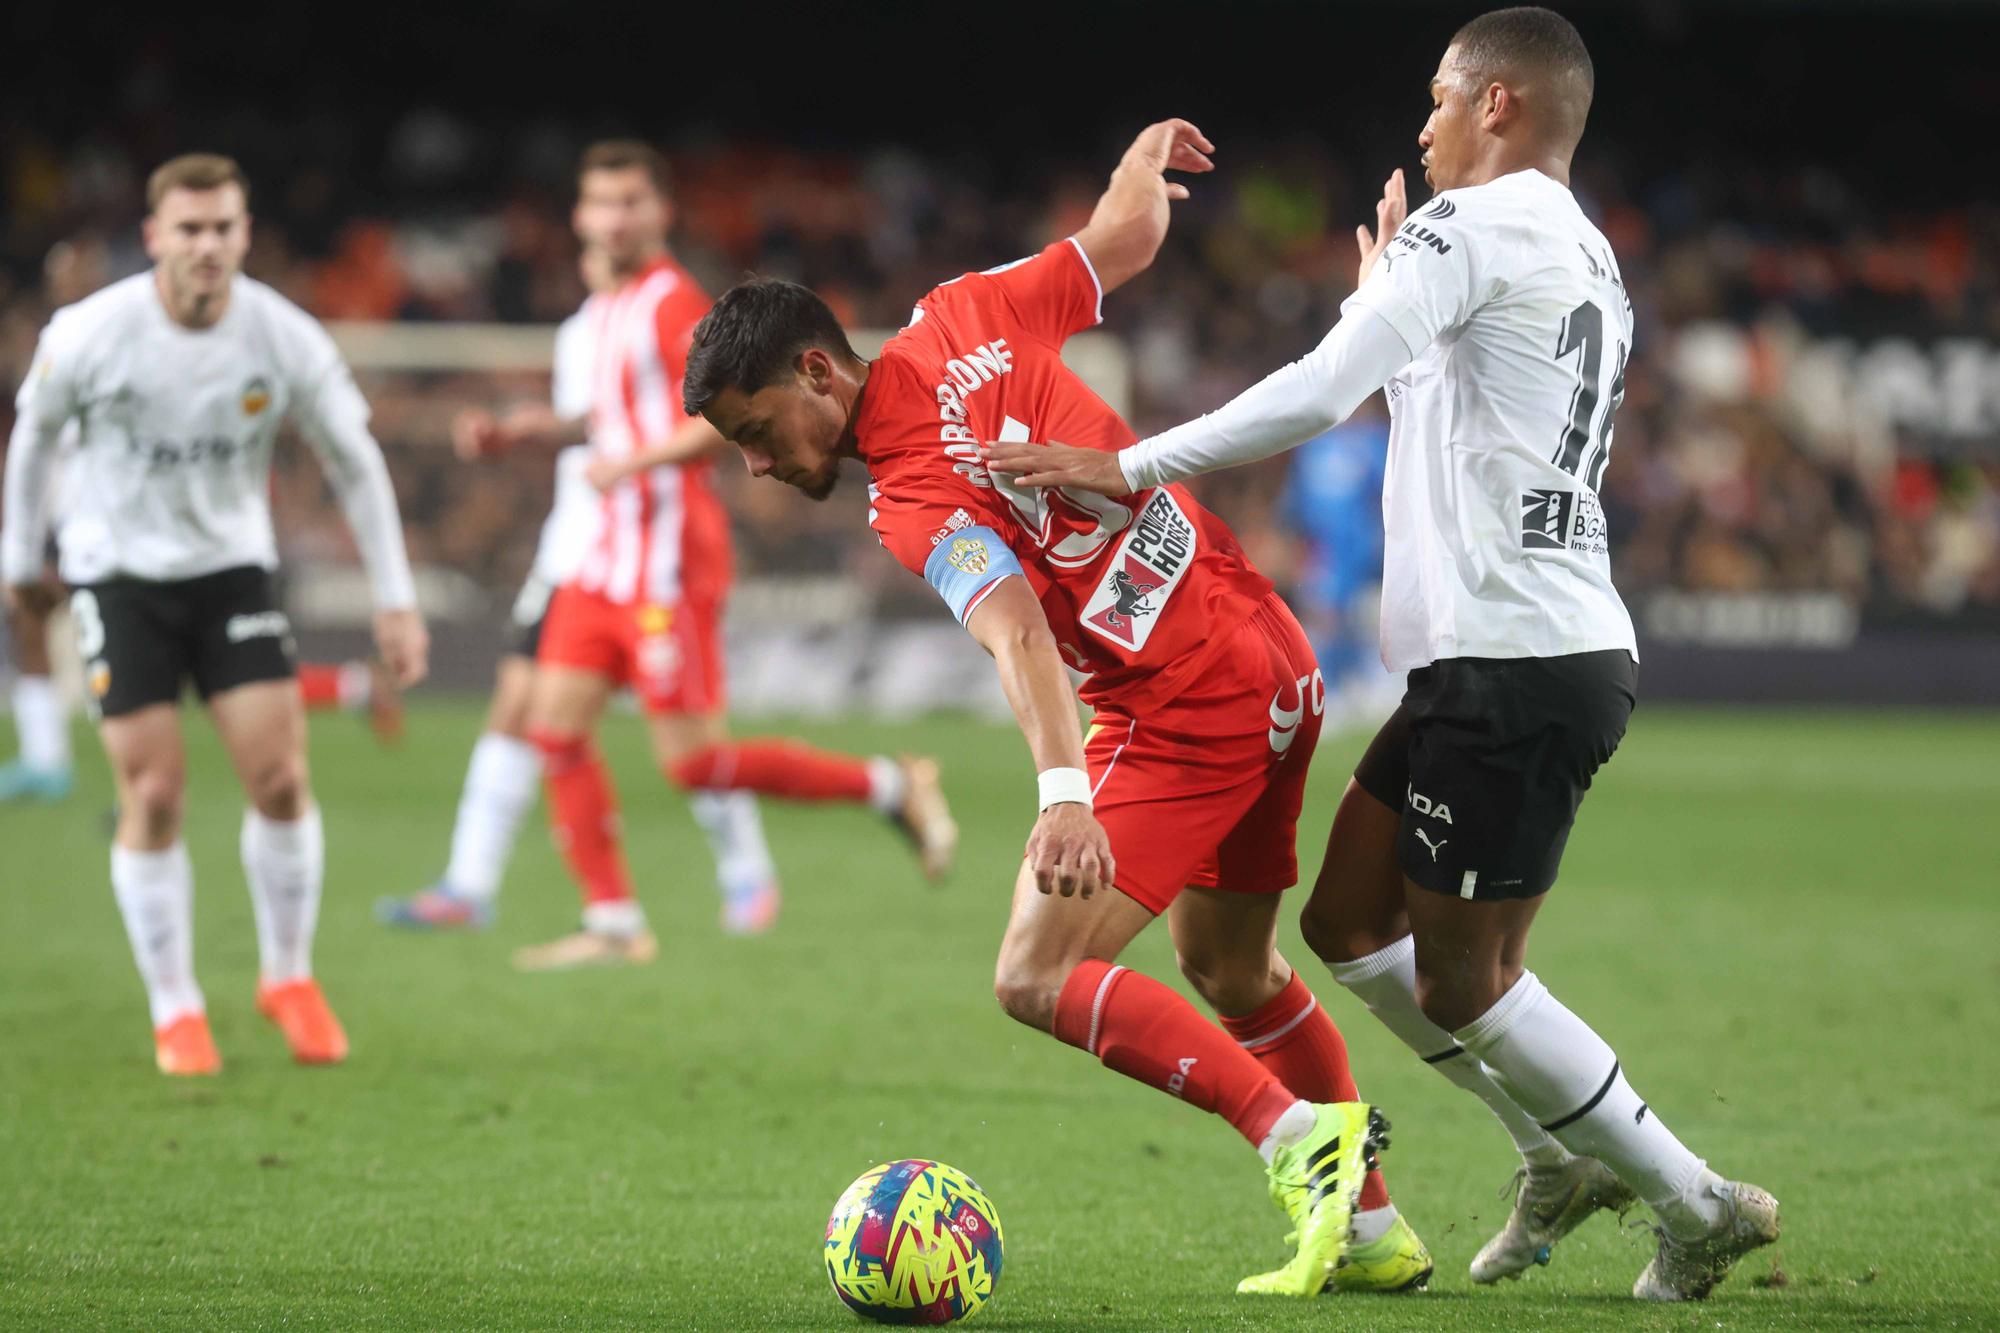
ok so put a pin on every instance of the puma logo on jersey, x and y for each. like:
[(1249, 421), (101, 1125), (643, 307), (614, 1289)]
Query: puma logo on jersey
[(1435, 847)]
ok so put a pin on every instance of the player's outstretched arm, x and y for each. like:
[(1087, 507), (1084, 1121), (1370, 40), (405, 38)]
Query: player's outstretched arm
[(1130, 220), (44, 408), (476, 433), (333, 417), (696, 439), (1068, 851), (1282, 411)]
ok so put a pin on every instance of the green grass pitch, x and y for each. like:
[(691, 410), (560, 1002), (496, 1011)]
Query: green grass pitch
[(1785, 923)]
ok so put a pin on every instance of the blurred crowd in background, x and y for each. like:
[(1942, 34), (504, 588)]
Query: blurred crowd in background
[(1813, 404)]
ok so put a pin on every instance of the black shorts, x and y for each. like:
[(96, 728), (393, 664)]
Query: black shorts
[(531, 612), (142, 641), (1488, 759)]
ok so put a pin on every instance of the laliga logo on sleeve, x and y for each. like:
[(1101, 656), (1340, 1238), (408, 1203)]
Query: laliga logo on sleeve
[(967, 555)]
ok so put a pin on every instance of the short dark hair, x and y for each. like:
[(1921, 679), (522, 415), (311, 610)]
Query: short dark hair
[(624, 155), (1537, 44), (194, 171), (751, 337)]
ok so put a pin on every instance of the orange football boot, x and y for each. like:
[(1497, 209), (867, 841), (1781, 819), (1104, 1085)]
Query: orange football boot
[(301, 1013), (185, 1047)]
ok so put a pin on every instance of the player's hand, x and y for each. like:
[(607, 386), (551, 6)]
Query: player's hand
[(404, 643), (29, 599), (1057, 465), (1070, 853), (1169, 145), (475, 434), (1390, 211), (604, 473)]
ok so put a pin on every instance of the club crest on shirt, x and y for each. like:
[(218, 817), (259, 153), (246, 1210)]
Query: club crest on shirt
[(1144, 571), (100, 678), (256, 396), (967, 555)]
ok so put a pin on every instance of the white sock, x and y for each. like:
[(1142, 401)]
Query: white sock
[(624, 917), (500, 785), (735, 832), (1291, 1127), (1386, 981), (1562, 1073), (284, 863), (887, 785), (41, 720), (1372, 1224), (155, 892)]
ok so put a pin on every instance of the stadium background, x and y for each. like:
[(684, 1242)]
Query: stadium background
[(1782, 917), (1806, 461)]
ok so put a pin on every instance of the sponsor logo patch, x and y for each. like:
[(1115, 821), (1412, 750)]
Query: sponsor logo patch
[(959, 519), (1557, 520), (967, 555), (1545, 518), (1148, 565), (654, 619), (257, 625)]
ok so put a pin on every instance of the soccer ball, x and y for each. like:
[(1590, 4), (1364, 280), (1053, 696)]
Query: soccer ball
[(914, 1242)]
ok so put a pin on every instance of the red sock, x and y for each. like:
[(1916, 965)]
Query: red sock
[(1145, 1031), (1293, 1038), (319, 684), (789, 769), (584, 811)]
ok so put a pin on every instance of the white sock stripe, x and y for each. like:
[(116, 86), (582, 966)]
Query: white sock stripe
[(1312, 1003), (1097, 1008)]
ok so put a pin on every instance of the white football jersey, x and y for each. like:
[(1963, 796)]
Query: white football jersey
[(169, 477), (572, 522), (1501, 428)]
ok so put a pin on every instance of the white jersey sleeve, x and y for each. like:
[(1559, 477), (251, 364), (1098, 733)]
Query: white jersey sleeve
[(570, 388), (1286, 408), (1429, 281), (333, 416), (43, 408)]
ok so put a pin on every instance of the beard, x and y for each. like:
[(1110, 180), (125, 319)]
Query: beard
[(819, 488)]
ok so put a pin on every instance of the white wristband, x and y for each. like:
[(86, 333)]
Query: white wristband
[(1059, 785)]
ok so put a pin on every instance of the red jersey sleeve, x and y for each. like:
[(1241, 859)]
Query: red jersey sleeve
[(951, 533), (674, 320), (1051, 295)]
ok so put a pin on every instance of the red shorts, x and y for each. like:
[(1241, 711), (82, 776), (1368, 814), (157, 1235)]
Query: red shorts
[(1207, 790), (671, 656)]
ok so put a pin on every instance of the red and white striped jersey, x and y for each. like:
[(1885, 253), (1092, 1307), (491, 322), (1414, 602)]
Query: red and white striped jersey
[(664, 536)]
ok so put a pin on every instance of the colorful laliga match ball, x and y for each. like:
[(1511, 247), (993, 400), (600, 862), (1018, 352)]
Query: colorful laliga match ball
[(914, 1242)]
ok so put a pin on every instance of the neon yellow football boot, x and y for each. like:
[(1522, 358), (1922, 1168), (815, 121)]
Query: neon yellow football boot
[(1316, 1181), (1394, 1261)]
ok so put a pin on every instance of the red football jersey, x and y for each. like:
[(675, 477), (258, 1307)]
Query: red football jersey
[(663, 535), (1136, 589)]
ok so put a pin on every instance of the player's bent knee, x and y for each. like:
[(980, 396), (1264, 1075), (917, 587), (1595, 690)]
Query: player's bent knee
[(697, 769), (1028, 994), (280, 790), (560, 750), (1232, 986), (156, 799)]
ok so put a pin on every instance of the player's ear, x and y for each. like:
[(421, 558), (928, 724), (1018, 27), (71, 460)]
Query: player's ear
[(815, 367), (149, 231), (1497, 107)]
